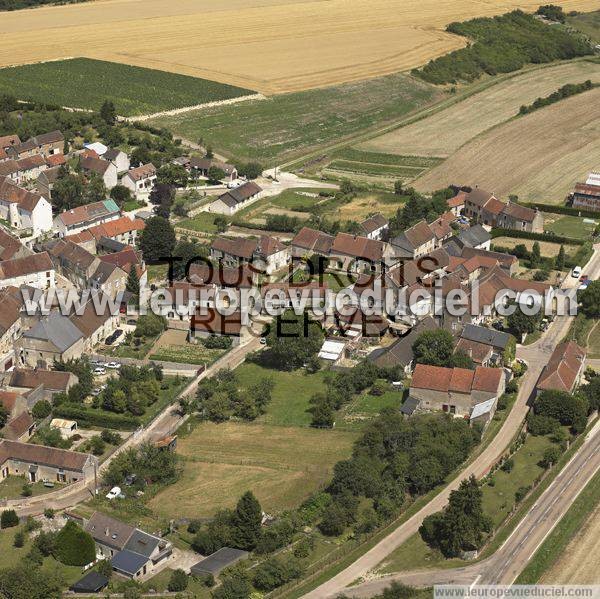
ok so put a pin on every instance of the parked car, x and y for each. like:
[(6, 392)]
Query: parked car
[(576, 272), (263, 341), (99, 370), (114, 492), (117, 333), (584, 278), (113, 365)]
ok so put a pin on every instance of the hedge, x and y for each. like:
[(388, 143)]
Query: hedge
[(551, 237), (556, 209), (97, 418)]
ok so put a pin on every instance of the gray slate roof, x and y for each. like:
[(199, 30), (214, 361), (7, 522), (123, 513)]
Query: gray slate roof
[(128, 561), (142, 543), (474, 236), (56, 329), (486, 336), (409, 406)]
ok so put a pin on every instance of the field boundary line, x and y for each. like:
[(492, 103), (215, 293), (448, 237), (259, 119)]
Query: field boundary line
[(176, 111)]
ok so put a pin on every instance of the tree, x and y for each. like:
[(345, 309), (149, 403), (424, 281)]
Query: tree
[(251, 170), (172, 174), (178, 581), (41, 409), (220, 223), (104, 567), (552, 12), (462, 526), (133, 281), (536, 256), (158, 239), (120, 194), (590, 300), (26, 582), (570, 410), (560, 258), (292, 340), (235, 585), (215, 174), (551, 456), (399, 187), (94, 190), (323, 414), (4, 414), (9, 519), (108, 112), (247, 520), (19, 539), (334, 520), (67, 191), (276, 572), (520, 323), (74, 546), (434, 347)]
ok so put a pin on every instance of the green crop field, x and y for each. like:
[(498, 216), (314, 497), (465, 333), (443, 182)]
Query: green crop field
[(86, 83), (356, 155), (376, 170), (287, 125), (569, 226)]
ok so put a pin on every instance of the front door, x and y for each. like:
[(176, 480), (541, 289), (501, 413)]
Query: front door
[(32, 477)]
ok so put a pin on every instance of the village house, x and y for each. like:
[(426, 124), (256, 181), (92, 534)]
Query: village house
[(45, 145), (415, 242), (6, 141), (125, 230), (474, 237), (234, 200), (46, 180), (457, 203), (107, 171), (23, 170), (12, 302), (24, 210), (564, 371), (200, 166), (11, 247), (117, 158), (19, 425), (140, 180), (441, 229), (266, 254), (308, 242), (49, 382), (455, 391), (484, 208), (83, 217), (126, 259), (486, 347), (132, 552), (94, 327), (37, 462), (357, 254), (240, 277), (35, 270), (375, 226), (400, 352), (50, 339)]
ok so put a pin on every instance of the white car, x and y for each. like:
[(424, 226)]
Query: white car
[(114, 365), (114, 492), (99, 370), (576, 272)]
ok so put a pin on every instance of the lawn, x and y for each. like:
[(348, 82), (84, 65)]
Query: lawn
[(375, 170), (126, 350), (499, 500), (588, 23), (157, 272), (548, 249), (203, 222), (569, 226), (86, 83), (297, 199), (281, 465), (11, 487), (291, 393), (288, 125), (366, 406), (186, 354)]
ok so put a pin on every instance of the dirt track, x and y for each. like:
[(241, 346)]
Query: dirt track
[(267, 45)]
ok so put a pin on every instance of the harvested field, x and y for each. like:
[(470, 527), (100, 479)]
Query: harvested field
[(576, 566), (268, 45), (538, 157), (444, 132), (282, 466)]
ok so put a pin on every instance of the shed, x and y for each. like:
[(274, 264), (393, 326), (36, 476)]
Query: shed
[(92, 582), (219, 560), (332, 350)]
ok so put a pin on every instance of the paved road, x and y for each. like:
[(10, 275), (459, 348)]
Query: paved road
[(536, 355), (509, 561)]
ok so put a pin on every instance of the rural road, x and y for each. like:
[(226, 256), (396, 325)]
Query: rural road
[(165, 423), (509, 561), (536, 355)]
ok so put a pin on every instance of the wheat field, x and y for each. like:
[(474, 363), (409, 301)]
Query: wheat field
[(538, 157), (271, 46)]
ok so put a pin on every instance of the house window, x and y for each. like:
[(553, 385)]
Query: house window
[(445, 407), (452, 409)]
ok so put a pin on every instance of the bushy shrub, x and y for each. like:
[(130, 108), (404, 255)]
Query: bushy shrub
[(74, 546), (9, 519)]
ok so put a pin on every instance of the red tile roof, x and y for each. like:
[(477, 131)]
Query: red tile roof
[(357, 247), (563, 367), (458, 200), (142, 172), (461, 380), (313, 240)]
